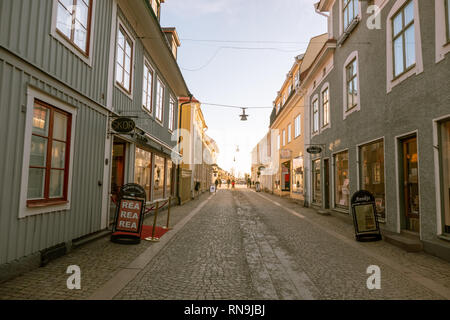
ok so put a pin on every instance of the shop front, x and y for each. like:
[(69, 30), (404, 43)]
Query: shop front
[(297, 178)]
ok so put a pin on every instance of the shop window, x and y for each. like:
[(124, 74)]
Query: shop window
[(342, 180), (297, 175), (158, 178), (142, 170), (372, 173), (169, 179), (317, 189), (444, 149)]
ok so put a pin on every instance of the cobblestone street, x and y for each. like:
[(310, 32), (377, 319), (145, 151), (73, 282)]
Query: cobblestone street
[(239, 244)]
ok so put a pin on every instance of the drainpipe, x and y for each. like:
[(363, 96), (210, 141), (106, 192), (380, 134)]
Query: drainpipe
[(179, 140)]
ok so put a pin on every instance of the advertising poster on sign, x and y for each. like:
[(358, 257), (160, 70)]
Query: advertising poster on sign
[(129, 215)]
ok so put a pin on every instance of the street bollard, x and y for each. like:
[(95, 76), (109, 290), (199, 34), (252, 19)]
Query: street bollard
[(153, 238), (168, 216)]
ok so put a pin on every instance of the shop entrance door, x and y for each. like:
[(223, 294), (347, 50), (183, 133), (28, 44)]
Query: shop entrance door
[(326, 182), (117, 173), (411, 184)]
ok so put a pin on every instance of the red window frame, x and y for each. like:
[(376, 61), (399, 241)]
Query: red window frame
[(46, 200), (72, 29)]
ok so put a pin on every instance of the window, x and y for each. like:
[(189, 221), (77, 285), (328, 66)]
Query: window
[(297, 126), (73, 22), (158, 178), (284, 138), (169, 179), (278, 142), (171, 113), (289, 133), (351, 85), (316, 115), (350, 11), (49, 155), (147, 88), (124, 60), (143, 170), (325, 107), (297, 175), (342, 180), (444, 150), (159, 100), (403, 39), (372, 173)]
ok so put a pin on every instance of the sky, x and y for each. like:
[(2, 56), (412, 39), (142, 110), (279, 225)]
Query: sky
[(238, 52)]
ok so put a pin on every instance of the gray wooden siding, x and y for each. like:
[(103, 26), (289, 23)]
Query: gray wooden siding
[(21, 237), (122, 103), (26, 27)]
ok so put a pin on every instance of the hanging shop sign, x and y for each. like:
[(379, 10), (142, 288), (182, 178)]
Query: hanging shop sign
[(123, 125), (364, 216), (314, 149), (129, 214)]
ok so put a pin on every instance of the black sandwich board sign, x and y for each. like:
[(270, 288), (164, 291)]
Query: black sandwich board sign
[(365, 218), (129, 214)]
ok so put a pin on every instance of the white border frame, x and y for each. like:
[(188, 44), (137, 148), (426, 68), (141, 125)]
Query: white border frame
[(171, 98), (346, 113), (33, 94), (333, 156), (442, 46), (341, 16), (147, 63), (418, 68), (358, 169), (437, 173), (311, 103), (86, 59), (121, 23), (160, 122), (328, 125)]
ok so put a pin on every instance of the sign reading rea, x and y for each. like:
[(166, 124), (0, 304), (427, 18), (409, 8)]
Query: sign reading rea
[(129, 215)]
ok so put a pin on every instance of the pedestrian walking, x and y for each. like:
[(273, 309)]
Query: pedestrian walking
[(233, 183), (216, 183), (228, 183)]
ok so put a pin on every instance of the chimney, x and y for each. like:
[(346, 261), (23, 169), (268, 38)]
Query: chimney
[(172, 38)]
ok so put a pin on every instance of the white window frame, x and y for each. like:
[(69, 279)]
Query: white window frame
[(152, 70), (326, 86), (278, 142), (350, 58), (121, 24), (442, 43), (289, 132), (85, 58), (341, 16), (284, 137), (315, 98), (158, 120), (32, 95), (391, 82), (298, 133), (171, 113)]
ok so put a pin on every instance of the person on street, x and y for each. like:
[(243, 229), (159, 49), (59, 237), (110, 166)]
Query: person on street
[(233, 183), (216, 183), (228, 183)]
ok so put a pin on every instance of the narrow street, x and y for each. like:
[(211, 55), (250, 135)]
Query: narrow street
[(239, 244)]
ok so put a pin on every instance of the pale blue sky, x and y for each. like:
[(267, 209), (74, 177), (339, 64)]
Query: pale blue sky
[(241, 75)]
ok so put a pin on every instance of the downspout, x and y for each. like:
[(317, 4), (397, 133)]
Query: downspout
[(179, 150)]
